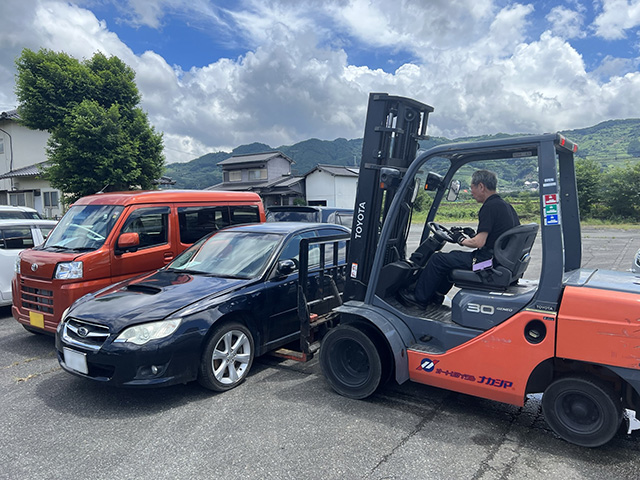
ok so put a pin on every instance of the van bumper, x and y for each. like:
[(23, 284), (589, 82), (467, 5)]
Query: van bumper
[(39, 304)]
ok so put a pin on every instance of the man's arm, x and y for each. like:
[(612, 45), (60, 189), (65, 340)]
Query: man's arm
[(475, 242)]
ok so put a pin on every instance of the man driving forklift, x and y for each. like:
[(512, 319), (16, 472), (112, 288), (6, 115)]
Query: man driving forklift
[(495, 217)]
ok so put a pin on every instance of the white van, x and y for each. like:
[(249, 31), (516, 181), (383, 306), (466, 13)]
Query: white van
[(16, 236), (10, 212)]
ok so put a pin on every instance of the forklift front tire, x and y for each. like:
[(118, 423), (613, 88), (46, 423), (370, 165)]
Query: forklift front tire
[(582, 410), (350, 362)]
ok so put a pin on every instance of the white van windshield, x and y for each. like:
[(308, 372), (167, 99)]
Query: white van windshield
[(84, 227)]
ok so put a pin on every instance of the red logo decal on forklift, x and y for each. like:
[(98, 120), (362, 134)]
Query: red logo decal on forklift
[(552, 198)]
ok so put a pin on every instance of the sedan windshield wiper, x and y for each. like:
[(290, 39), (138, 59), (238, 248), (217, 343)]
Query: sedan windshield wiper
[(219, 275), (184, 270)]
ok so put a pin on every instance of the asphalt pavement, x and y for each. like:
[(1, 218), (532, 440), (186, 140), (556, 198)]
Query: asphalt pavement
[(284, 422)]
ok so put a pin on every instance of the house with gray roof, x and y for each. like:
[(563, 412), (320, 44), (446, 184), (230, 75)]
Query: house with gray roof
[(331, 186), (22, 161), (267, 173)]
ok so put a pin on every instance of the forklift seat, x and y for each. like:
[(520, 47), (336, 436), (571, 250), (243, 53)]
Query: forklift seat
[(511, 255)]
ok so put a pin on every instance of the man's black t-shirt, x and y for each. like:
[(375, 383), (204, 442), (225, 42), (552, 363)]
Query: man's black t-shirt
[(495, 217)]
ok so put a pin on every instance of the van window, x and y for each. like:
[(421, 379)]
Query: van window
[(16, 238), (196, 222), (245, 214), (84, 227), (341, 218), (151, 225), (45, 230)]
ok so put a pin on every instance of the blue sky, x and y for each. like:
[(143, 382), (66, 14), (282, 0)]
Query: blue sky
[(217, 74)]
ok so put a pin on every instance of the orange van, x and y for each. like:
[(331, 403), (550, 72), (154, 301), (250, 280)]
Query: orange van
[(108, 237)]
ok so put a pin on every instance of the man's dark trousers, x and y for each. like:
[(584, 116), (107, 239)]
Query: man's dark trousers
[(434, 283)]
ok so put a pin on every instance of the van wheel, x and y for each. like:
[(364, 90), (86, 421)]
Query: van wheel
[(582, 410), (227, 357), (350, 362), (35, 331)]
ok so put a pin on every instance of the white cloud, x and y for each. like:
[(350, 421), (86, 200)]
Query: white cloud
[(150, 13), (475, 62), (616, 17), (566, 23)]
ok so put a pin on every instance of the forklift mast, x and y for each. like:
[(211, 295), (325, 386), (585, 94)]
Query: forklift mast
[(393, 128)]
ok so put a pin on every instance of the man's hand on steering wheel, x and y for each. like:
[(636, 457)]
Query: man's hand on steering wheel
[(458, 236)]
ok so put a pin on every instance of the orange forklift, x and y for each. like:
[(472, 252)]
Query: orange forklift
[(573, 335)]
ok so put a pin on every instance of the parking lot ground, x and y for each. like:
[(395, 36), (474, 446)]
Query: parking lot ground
[(283, 422)]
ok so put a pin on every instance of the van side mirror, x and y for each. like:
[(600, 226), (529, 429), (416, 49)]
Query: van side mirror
[(128, 242)]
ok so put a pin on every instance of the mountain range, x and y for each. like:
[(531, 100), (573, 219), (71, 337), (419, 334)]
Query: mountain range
[(613, 142)]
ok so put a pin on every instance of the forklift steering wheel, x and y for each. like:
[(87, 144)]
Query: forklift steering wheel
[(440, 232)]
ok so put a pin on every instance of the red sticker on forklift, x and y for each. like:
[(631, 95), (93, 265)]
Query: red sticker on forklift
[(551, 198), (354, 270)]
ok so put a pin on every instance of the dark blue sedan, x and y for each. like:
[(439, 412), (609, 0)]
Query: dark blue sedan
[(228, 298)]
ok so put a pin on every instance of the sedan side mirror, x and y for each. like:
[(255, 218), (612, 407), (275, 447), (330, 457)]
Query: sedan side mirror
[(286, 267)]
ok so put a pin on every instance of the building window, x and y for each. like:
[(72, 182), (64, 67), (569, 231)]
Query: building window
[(18, 199), (51, 199), (258, 174), (1, 146), (235, 175)]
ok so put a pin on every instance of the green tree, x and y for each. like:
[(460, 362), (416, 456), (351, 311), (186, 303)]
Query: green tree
[(589, 184), (100, 138), (621, 194)]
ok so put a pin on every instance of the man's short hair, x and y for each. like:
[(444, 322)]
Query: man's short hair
[(485, 177)]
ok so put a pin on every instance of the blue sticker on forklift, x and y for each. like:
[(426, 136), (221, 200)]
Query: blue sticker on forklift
[(552, 220)]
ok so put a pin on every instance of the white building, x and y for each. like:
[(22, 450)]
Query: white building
[(22, 156), (332, 186)]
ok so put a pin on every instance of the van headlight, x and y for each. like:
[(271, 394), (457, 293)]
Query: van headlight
[(141, 334), (68, 271)]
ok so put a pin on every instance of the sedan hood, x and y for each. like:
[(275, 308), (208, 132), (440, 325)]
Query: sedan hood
[(151, 297)]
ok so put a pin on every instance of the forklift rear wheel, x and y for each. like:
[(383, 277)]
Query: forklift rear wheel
[(582, 410), (351, 362)]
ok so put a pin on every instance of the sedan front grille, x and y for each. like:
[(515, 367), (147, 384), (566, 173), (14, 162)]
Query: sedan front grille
[(84, 334)]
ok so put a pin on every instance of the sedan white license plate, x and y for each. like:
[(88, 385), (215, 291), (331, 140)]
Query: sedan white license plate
[(76, 360)]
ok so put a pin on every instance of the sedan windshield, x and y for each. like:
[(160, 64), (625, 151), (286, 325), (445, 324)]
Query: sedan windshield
[(84, 227), (229, 254)]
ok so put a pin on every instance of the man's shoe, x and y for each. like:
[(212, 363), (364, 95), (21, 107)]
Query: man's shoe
[(408, 299), (436, 299)]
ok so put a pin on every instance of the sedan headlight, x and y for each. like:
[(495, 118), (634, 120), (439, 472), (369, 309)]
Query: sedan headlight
[(68, 271), (141, 334)]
